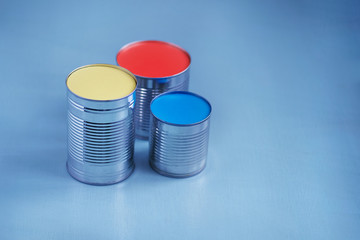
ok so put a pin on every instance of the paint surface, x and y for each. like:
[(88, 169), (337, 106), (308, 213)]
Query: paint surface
[(101, 82), (180, 108), (153, 59)]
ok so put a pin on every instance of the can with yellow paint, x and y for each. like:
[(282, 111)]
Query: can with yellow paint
[(101, 100)]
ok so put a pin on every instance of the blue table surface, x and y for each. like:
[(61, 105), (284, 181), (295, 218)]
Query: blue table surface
[(283, 78)]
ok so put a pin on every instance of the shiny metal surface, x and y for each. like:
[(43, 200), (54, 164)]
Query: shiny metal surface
[(100, 139), (146, 91), (178, 150)]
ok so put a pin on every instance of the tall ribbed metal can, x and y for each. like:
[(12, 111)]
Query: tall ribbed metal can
[(178, 149), (150, 85), (100, 135)]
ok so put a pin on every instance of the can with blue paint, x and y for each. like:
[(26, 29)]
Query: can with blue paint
[(179, 135)]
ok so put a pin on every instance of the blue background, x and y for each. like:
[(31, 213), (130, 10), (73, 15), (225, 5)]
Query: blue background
[(283, 78)]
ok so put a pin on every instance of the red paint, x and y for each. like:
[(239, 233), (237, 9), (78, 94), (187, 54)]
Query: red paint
[(153, 59)]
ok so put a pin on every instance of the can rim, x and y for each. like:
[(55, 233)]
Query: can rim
[(159, 41), (104, 65), (177, 124)]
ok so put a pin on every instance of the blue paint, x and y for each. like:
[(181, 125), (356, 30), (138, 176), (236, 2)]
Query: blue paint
[(180, 108)]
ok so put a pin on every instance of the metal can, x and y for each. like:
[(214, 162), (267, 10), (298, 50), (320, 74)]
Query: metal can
[(180, 123), (159, 67), (100, 123)]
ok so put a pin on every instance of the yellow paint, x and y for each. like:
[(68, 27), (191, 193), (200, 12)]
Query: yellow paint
[(101, 82)]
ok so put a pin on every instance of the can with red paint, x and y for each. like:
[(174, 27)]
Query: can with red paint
[(158, 67)]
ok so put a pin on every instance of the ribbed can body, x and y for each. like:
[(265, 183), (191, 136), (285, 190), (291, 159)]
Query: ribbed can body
[(147, 90), (178, 150), (100, 139)]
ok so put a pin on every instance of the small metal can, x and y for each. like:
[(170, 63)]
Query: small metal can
[(179, 135), (100, 124), (159, 67)]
